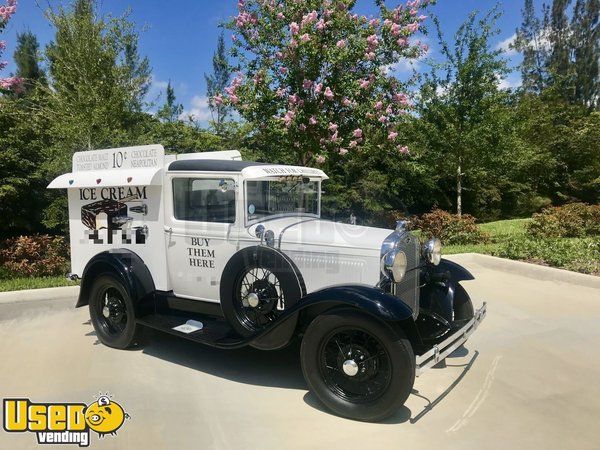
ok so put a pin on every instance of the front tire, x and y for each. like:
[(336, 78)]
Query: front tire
[(112, 312), (357, 366)]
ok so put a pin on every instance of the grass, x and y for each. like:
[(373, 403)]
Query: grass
[(500, 232), (508, 239), (19, 284)]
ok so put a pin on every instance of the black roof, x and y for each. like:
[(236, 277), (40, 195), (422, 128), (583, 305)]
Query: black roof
[(212, 165)]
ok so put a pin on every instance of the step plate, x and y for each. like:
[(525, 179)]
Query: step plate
[(215, 332)]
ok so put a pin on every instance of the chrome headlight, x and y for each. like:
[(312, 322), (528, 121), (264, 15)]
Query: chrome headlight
[(433, 251), (393, 265)]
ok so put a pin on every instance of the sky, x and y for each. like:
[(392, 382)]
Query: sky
[(179, 37)]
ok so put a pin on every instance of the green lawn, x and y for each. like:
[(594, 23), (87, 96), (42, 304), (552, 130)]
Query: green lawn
[(508, 239), (18, 284), (500, 232)]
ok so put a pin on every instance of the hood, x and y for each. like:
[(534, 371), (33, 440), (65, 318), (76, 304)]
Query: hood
[(324, 233)]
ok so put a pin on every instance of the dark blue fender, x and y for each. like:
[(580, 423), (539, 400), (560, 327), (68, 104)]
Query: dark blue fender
[(457, 272), (438, 297), (123, 263), (370, 300), (373, 300)]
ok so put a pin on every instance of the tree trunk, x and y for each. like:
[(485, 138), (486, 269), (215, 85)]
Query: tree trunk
[(459, 188)]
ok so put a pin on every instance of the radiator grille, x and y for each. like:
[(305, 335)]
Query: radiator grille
[(408, 288)]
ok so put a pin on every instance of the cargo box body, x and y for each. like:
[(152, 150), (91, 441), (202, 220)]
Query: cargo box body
[(116, 201)]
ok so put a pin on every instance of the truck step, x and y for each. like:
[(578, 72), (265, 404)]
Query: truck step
[(205, 329)]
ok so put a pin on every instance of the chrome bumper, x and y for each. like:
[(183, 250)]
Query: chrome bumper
[(439, 351)]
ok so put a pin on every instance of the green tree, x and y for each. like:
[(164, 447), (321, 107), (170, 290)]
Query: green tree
[(585, 41), (23, 142), (560, 67), (137, 68), (459, 107), (96, 86), (176, 136), (564, 141), (531, 42), (215, 85), (171, 110), (27, 58), (559, 37)]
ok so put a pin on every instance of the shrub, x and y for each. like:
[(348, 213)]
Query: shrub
[(451, 229), (577, 254), (39, 255), (572, 220)]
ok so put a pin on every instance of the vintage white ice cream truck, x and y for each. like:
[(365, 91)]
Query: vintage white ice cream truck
[(231, 253)]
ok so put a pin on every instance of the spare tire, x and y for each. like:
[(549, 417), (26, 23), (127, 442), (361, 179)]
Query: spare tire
[(258, 285)]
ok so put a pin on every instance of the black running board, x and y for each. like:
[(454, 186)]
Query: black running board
[(165, 312), (215, 332)]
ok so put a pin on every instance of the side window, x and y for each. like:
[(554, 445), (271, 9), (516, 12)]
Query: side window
[(204, 200)]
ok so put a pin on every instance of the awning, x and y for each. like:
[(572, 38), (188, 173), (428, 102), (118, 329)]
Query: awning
[(103, 178)]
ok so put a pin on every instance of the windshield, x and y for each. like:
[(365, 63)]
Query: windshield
[(273, 197)]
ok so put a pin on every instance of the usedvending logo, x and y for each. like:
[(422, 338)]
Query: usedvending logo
[(64, 423)]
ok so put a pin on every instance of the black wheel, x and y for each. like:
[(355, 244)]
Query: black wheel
[(257, 288), (357, 366), (112, 312)]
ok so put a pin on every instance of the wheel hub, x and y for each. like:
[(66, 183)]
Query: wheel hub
[(259, 295), (355, 365), (114, 309), (252, 300), (350, 367), (262, 296)]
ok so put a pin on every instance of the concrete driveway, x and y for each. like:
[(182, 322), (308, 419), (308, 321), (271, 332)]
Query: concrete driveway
[(529, 378)]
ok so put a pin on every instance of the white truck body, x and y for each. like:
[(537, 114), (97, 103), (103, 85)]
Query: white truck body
[(123, 198)]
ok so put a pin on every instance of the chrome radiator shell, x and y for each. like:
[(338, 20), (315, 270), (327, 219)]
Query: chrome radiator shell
[(408, 288)]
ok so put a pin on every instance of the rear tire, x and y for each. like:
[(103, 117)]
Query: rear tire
[(357, 366), (112, 312)]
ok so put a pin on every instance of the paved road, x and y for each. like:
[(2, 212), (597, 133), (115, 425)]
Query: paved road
[(529, 378)]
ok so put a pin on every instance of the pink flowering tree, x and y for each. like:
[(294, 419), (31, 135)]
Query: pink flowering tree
[(10, 83), (313, 76)]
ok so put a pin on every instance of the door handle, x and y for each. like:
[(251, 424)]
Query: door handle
[(168, 229)]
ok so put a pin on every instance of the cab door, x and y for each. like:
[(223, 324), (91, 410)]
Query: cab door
[(201, 231)]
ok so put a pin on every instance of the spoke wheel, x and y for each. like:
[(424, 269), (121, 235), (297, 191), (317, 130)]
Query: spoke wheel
[(358, 366), (112, 312), (355, 365), (259, 285), (259, 297)]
